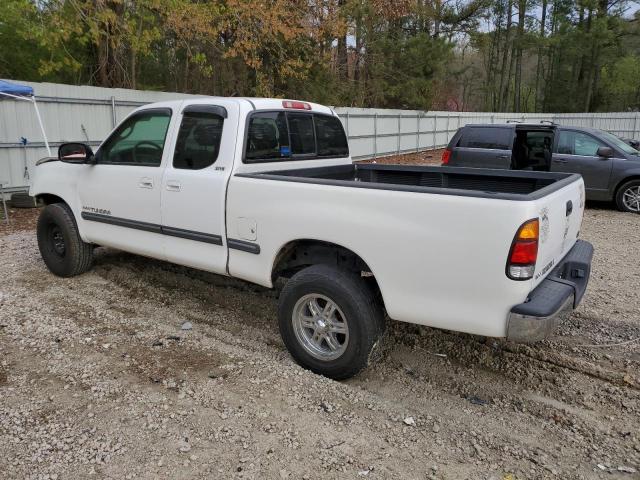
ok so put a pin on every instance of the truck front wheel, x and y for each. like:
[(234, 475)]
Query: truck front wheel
[(63, 251), (330, 321)]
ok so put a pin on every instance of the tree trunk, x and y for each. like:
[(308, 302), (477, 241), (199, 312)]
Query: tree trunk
[(522, 10), (502, 90), (341, 53), (538, 93)]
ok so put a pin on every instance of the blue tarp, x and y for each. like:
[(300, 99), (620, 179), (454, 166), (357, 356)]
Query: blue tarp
[(15, 89)]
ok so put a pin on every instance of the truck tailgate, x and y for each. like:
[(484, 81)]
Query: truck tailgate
[(560, 215)]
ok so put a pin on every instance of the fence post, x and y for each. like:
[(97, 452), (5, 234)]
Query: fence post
[(635, 124), (448, 117), (417, 132), (435, 126), (399, 130), (113, 112), (375, 135), (347, 124)]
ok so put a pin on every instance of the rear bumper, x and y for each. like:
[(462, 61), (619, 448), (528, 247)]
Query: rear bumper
[(553, 300)]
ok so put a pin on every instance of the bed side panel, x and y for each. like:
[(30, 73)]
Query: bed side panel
[(439, 259)]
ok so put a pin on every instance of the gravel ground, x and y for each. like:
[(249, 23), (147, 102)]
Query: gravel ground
[(426, 157), (99, 380)]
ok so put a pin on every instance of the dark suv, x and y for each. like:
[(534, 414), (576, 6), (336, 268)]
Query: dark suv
[(609, 166)]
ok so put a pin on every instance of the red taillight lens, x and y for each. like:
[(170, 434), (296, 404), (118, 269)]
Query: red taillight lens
[(446, 156), (524, 251), (296, 105)]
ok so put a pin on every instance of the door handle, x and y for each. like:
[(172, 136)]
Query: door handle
[(145, 182), (173, 186), (560, 160), (503, 157)]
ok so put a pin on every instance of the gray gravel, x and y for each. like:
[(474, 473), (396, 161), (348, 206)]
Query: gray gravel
[(99, 378)]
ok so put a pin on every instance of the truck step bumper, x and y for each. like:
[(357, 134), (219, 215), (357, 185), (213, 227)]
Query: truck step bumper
[(552, 301)]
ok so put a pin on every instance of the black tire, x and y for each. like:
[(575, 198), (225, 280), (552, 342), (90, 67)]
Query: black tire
[(631, 187), (61, 247), (23, 200), (355, 301)]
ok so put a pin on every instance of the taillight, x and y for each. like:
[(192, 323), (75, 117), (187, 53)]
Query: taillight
[(446, 156), (524, 251), (296, 105)]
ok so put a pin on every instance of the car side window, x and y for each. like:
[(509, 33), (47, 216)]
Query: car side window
[(577, 143), (493, 138), (198, 143), (139, 140)]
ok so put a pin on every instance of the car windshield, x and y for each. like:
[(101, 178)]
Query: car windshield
[(620, 144)]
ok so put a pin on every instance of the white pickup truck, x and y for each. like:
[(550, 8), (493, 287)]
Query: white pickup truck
[(260, 189)]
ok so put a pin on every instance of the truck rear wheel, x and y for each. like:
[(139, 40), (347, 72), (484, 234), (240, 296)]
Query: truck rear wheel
[(330, 321), (628, 197), (63, 251)]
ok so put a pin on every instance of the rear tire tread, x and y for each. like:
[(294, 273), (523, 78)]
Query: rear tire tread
[(358, 298)]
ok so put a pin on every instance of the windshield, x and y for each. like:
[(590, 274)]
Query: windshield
[(620, 144)]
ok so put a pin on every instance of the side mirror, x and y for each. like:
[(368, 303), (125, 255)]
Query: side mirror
[(75, 153), (606, 152)]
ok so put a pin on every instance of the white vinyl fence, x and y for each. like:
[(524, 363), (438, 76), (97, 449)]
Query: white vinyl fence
[(88, 114)]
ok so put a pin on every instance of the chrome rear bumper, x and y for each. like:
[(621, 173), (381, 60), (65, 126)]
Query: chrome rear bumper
[(552, 301)]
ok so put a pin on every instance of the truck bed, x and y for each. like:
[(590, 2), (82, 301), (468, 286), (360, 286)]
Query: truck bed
[(485, 183)]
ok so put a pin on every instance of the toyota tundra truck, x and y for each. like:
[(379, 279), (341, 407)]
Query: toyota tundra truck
[(265, 189)]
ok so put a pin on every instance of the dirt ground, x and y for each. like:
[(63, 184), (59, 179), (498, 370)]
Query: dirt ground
[(98, 380), (427, 157)]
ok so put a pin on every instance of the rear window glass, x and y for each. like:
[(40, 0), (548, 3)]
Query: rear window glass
[(493, 138), (280, 136), (268, 136), (330, 136), (303, 140)]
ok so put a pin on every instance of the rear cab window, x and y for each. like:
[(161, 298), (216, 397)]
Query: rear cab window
[(493, 138), (283, 136)]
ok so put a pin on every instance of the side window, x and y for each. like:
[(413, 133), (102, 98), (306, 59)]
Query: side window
[(268, 136), (330, 137), (576, 143), (303, 141), (139, 140), (198, 142), (487, 137), (566, 142), (586, 145)]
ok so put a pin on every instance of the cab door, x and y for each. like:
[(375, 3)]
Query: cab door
[(120, 193), (576, 152), (194, 185)]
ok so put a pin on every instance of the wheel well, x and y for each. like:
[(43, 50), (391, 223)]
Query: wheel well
[(298, 254), (49, 198), (622, 182)]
